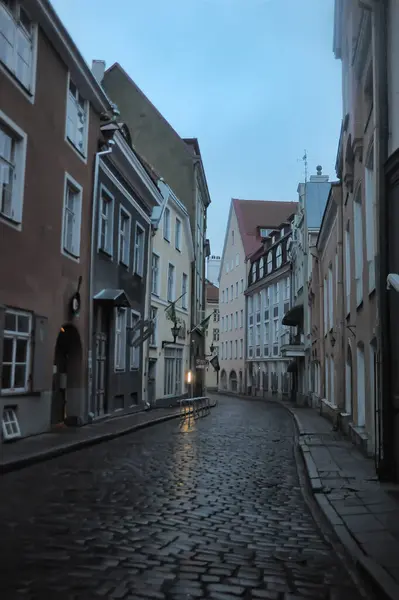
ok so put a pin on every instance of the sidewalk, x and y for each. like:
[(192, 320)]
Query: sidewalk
[(363, 512), (24, 452)]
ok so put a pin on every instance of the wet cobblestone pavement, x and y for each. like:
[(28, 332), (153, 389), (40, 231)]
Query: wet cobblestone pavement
[(206, 509)]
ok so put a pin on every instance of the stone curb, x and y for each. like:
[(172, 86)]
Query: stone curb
[(380, 578), (67, 448)]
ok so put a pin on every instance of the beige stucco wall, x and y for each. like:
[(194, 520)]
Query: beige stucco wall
[(168, 253), (227, 279)]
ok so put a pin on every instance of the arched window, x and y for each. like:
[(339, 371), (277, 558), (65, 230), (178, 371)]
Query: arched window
[(261, 267), (269, 262), (279, 256)]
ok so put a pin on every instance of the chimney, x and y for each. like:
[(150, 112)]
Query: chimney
[(319, 177), (98, 70)]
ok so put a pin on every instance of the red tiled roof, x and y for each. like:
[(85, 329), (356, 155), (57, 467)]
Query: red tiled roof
[(252, 214), (212, 292)]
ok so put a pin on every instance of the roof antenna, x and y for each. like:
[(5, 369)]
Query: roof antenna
[(304, 159)]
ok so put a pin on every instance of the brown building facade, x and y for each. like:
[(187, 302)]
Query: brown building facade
[(50, 108)]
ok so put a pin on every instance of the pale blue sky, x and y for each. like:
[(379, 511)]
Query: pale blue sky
[(254, 80)]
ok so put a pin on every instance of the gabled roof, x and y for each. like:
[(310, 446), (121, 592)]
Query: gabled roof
[(264, 213), (211, 292)]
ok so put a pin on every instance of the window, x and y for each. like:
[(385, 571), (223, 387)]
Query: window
[(105, 228), (216, 335), (231, 293), (227, 294), (266, 333), (330, 297), (287, 289), (171, 283), (261, 268), (222, 321), (251, 336), (10, 424), (236, 320), (173, 371), (235, 349), (76, 125), (120, 339), (241, 319), (358, 231), (166, 224), (221, 351), (264, 232), (241, 348), (16, 42), (237, 260), (279, 256), (257, 302), (16, 352), (269, 262), (155, 274), (134, 350), (237, 289), (231, 350), (232, 264), (184, 292), (231, 322), (12, 161), (232, 238), (124, 237), (242, 286), (275, 330), (276, 293), (139, 248), (216, 315), (348, 282), (178, 235), (72, 217), (227, 266), (222, 296), (257, 335), (153, 317), (369, 194)]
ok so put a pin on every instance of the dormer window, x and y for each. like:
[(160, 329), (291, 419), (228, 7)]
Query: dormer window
[(269, 262), (273, 239), (279, 256), (264, 232), (261, 268)]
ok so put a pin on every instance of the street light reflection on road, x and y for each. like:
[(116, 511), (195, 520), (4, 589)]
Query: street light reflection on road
[(187, 422)]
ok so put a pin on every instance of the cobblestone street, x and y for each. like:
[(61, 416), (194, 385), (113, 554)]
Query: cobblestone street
[(206, 509)]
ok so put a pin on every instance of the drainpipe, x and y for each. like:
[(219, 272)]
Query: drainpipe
[(386, 466), (99, 155), (340, 300), (146, 352)]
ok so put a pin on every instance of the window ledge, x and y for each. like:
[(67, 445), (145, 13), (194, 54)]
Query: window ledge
[(105, 253), (76, 150), (123, 264)]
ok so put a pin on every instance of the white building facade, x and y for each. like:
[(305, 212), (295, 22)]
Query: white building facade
[(171, 281), (212, 335)]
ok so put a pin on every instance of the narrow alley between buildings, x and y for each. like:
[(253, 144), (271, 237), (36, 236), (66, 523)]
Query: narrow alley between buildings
[(211, 508)]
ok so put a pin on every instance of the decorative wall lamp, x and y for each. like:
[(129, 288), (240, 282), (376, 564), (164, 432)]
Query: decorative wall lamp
[(175, 332)]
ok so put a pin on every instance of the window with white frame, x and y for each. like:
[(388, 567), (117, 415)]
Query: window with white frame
[(12, 161), (235, 348), (237, 289), (231, 293), (216, 335), (166, 224), (16, 352), (9, 423), (222, 322), (348, 281), (153, 317), (173, 371), (266, 333), (178, 235), (231, 322), (184, 291), (77, 113), (171, 283), (242, 286), (330, 298), (276, 293), (72, 217), (17, 41), (358, 235), (216, 315), (227, 266), (287, 289), (279, 256), (221, 351), (269, 262), (124, 237), (241, 318), (155, 274), (250, 305), (222, 296), (139, 249), (134, 350), (105, 227), (275, 330), (237, 259), (120, 338), (261, 268), (257, 335), (369, 195), (241, 348), (231, 350), (250, 337), (236, 320)]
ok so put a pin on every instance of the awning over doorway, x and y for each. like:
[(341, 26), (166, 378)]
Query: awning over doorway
[(292, 367), (115, 297), (294, 316)]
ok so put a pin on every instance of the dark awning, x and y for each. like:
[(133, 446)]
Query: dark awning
[(294, 316), (292, 367), (115, 297)]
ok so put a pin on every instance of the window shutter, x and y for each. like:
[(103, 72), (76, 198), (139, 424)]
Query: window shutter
[(39, 363)]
